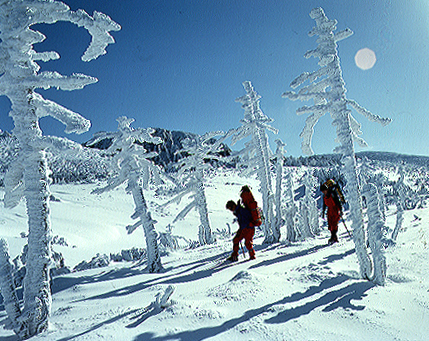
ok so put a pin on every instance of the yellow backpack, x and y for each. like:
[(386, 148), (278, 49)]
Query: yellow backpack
[(334, 187)]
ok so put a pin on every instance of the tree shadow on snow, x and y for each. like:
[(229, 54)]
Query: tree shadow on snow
[(337, 257), (142, 316), (288, 256), (188, 274), (331, 300), (191, 274), (99, 325), (3, 322), (65, 282)]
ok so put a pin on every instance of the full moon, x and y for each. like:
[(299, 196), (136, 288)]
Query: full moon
[(365, 59)]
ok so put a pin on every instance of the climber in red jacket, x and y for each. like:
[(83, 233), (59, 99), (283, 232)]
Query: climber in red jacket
[(335, 211)]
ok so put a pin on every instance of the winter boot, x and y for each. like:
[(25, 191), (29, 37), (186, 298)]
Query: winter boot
[(232, 258), (252, 254), (334, 238)]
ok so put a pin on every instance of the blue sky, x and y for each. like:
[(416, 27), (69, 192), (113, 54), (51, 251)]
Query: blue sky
[(180, 65)]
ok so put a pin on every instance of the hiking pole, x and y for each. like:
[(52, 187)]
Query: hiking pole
[(346, 227), (242, 249)]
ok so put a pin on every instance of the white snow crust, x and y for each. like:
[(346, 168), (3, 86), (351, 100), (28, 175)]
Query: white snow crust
[(303, 290)]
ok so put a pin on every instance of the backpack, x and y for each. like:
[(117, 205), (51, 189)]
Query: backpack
[(335, 188), (249, 202)]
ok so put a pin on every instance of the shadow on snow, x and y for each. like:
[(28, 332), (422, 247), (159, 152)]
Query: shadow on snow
[(331, 300)]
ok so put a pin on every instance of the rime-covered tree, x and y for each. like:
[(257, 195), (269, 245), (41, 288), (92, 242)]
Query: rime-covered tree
[(258, 153), (375, 233), (28, 175), (291, 210), (327, 90), (133, 166), (308, 207), (368, 175), (192, 172), (279, 161)]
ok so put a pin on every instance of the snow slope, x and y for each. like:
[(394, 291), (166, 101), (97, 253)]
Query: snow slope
[(303, 291)]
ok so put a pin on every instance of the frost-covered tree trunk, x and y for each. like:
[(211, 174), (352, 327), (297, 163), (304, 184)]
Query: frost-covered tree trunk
[(309, 205), (356, 212), (205, 236), (375, 234), (255, 124), (304, 221), (131, 161), (153, 255), (279, 220), (37, 293), (329, 95), (28, 176), (400, 203)]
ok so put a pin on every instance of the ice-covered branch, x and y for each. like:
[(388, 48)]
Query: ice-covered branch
[(188, 208), (13, 183), (98, 26), (370, 116), (74, 122)]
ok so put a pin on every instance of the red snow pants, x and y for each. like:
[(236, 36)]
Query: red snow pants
[(333, 214), (246, 234)]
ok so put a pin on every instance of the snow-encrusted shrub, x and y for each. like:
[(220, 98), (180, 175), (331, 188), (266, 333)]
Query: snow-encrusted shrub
[(192, 171), (161, 300), (28, 173), (224, 233), (133, 166), (98, 261), (257, 154), (328, 92), (67, 160), (87, 166), (170, 241), (130, 255)]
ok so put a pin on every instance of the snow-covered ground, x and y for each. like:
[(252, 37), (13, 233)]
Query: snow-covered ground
[(303, 291)]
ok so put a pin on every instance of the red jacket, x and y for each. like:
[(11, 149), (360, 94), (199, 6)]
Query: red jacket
[(334, 210)]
